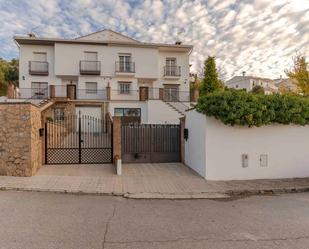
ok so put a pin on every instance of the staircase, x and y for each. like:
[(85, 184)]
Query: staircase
[(179, 107)]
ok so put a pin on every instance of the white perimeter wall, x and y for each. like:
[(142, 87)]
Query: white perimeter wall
[(223, 146)]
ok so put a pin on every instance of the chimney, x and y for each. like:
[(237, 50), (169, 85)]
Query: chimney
[(178, 43), (32, 35), (244, 73)]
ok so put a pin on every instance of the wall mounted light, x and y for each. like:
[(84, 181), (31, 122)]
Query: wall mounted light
[(23, 77)]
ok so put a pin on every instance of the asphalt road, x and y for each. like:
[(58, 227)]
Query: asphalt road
[(46, 220)]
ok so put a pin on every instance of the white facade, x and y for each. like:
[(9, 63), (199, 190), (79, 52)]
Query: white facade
[(65, 59), (249, 82), (217, 151)]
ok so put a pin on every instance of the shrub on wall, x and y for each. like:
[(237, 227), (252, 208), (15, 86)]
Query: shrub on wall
[(246, 109)]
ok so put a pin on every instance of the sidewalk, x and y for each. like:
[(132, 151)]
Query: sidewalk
[(169, 180)]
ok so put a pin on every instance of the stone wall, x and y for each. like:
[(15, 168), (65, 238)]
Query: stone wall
[(20, 142)]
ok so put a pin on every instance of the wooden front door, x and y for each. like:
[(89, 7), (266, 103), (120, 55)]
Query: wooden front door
[(143, 93), (71, 91)]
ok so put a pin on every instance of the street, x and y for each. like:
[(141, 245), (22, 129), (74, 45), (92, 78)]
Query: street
[(48, 220)]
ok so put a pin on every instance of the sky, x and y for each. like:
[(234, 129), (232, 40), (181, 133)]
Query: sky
[(259, 37)]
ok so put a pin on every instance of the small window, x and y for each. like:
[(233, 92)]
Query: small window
[(58, 114), (91, 87), (39, 56), (236, 86), (124, 87), (127, 112), (91, 56)]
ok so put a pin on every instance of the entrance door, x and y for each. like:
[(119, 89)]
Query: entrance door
[(143, 93), (71, 91)]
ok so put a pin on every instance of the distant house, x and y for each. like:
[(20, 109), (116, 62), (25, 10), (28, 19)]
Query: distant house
[(285, 85), (249, 82)]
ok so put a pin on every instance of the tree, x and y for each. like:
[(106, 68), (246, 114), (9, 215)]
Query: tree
[(258, 90), (211, 82), (8, 74), (300, 74)]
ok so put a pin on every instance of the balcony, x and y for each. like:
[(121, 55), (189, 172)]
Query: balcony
[(125, 68), (90, 67), (38, 67), (172, 71)]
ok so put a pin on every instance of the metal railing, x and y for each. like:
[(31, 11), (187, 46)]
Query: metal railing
[(172, 71), (125, 67), (33, 93), (90, 67), (124, 95), (170, 95), (91, 94), (38, 67)]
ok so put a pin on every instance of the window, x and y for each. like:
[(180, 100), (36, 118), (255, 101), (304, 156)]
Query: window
[(127, 112), (39, 56), (170, 66), (39, 90), (236, 86), (124, 87), (125, 63), (91, 87), (91, 56), (58, 114)]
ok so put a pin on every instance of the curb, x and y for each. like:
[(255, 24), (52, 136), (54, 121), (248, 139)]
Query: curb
[(170, 196)]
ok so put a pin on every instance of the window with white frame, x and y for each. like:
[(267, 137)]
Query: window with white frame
[(124, 87), (91, 87), (125, 63)]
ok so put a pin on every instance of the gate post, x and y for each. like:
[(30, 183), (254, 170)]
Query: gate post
[(182, 139), (116, 138)]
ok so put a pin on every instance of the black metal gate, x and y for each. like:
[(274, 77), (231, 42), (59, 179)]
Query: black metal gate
[(154, 143), (78, 139)]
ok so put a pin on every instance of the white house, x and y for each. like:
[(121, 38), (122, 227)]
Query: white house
[(131, 78), (249, 82)]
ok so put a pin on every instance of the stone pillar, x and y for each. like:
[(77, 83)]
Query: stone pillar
[(116, 138), (10, 92), (52, 91), (71, 92), (20, 141), (196, 94), (108, 92), (182, 139), (161, 93)]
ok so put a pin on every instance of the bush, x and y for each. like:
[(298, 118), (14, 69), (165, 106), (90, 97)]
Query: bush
[(258, 90), (246, 109)]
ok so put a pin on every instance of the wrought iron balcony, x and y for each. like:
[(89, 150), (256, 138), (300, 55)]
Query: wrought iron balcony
[(125, 67), (38, 67), (172, 71), (90, 67)]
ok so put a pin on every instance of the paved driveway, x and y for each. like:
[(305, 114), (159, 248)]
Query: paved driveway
[(31, 220), (166, 180)]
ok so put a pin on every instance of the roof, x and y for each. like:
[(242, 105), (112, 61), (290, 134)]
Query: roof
[(101, 38), (241, 78)]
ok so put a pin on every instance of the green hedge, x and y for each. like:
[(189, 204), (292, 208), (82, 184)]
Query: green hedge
[(246, 109)]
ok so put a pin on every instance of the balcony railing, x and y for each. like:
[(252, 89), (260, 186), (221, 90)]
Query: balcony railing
[(125, 67), (33, 93), (91, 94), (172, 71), (90, 67), (38, 67)]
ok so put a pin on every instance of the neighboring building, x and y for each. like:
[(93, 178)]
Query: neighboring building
[(285, 85), (106, 72), (249, 82)]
